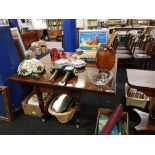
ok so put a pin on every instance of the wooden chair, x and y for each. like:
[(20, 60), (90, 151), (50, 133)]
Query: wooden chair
[(115, 43), (128, 36), (128, 54), (147, 55), (141, 43), (127, 47)]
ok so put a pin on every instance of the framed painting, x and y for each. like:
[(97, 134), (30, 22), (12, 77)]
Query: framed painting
[(92, 39), (16, 34), (6, 111)]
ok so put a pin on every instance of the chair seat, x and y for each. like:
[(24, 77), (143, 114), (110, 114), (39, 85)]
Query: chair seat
[(141, 56), (139, 51), (122, 51), (124, 56), (137, 47), (121, 48)]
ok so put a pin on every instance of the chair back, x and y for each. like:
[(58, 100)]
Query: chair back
[(150, 47), (115, 43), (145, 40), (140, 40), (132, 45), (128, 45)]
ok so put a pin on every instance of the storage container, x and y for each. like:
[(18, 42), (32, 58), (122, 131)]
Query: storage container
[(34, 110), (65, 116), (135, 101), (106, 113)]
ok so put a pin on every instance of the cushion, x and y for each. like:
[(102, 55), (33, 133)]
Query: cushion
[(141, 56), (139, 51), (122, 51), (124, 56)]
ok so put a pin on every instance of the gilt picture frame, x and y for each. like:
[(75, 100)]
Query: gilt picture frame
[(6, 110)]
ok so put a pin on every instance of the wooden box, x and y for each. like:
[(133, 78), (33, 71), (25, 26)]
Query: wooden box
[(34, 110), (102, 112)]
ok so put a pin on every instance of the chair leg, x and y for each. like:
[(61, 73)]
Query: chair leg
[(146, 64), (131, 63), (142, 63)]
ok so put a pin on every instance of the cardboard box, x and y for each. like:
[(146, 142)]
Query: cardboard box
[(34, 110), (105, 113)]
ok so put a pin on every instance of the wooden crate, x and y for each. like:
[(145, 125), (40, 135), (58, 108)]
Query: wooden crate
[(102, 112), (34, 110)]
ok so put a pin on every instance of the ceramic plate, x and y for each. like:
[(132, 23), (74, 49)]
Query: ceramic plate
[(78, 63), (61, 62)]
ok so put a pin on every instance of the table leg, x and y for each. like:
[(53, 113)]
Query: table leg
[(41, 102), (77, 106)]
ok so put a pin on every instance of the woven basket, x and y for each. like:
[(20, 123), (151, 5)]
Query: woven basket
[(131, 101), (63, 117)]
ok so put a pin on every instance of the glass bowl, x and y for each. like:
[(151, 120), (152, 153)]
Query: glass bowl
[(100, 78)]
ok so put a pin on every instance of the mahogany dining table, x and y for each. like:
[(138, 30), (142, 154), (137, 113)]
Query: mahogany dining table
[(74, 87)]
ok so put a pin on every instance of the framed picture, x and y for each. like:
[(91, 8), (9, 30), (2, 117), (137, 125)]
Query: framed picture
[(6, 111), (92, 39), (16, 34)]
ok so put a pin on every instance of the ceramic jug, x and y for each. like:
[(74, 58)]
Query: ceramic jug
[(105, 58)]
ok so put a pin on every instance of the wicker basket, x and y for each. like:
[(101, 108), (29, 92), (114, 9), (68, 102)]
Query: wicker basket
[(131, 101), (63, 117)]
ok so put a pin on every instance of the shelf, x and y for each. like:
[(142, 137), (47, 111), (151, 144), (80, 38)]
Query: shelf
[(92, 19)]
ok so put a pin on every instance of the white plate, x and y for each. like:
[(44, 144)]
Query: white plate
[(61, 62), (78, 63)]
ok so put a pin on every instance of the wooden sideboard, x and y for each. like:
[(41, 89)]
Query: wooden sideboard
[(29, 37)]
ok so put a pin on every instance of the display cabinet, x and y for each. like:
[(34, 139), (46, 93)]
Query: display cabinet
[(55, 26)]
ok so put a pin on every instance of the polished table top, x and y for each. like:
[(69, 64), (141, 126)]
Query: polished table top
[(143, 80), (79, 83)]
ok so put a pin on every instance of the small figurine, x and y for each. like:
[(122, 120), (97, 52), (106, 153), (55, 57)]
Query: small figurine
[(57, 54), (54, 54)]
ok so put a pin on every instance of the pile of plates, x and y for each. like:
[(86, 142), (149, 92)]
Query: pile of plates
[(78, 63), (62, 62)]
